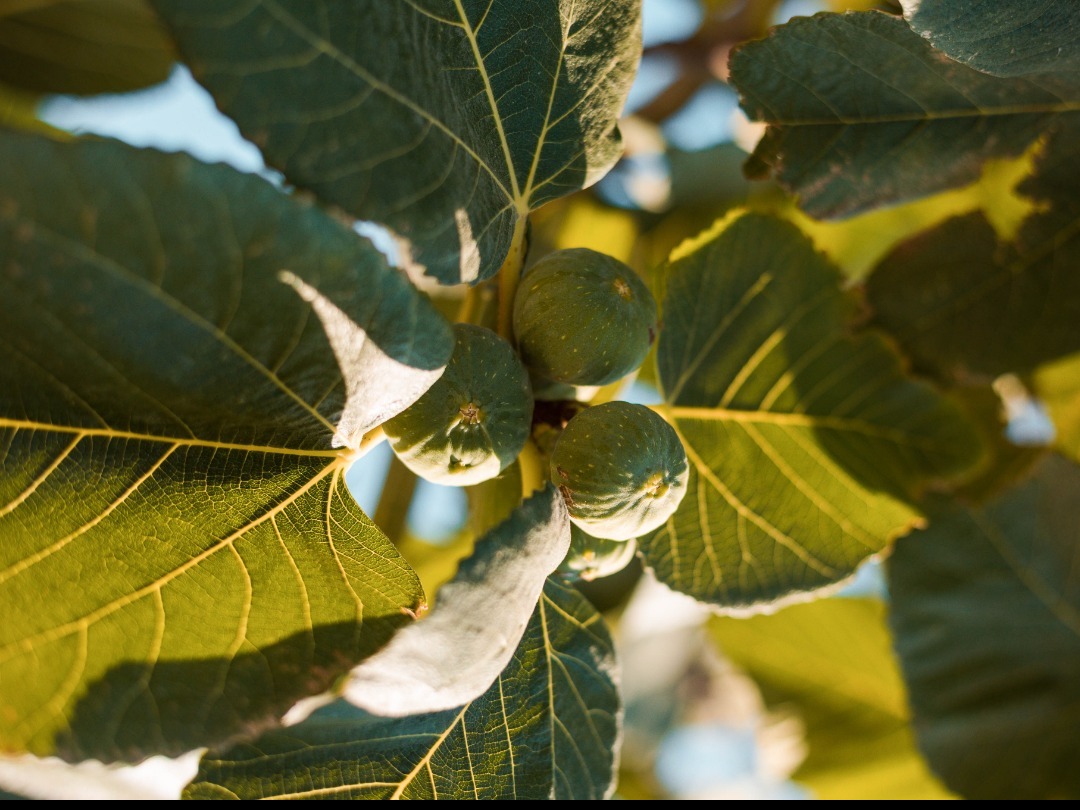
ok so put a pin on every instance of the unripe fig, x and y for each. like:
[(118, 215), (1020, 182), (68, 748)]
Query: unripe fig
[(621, 469), (472, 423), (583, 318), (591, 557)]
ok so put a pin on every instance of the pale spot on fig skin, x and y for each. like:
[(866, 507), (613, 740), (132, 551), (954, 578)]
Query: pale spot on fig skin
[(623, 289)]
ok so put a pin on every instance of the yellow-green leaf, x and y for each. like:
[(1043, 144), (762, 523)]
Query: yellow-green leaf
[(180, 560), (82, 46), (548, 728), (807, 445), (830, 662)]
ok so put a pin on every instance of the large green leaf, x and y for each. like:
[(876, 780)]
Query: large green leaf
[(863, 112), (82, 46), (447, 120), (454, 656), (986, 613), (180, 560), (547, 728), (1003, 37), (831, 663), (963, 303), (806, 445)]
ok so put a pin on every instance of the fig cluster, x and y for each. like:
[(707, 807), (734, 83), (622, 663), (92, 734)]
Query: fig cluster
[(580, 319)]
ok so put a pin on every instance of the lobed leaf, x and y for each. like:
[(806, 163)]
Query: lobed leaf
[(548, 728), (863, 112), (1011, 38), (446, 120), (82, 46), (180, 560), (986, 614), (807, 445)]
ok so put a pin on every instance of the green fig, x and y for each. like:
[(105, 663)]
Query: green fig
[(583, 318), (474, 421), (591, 557), (621, 469)]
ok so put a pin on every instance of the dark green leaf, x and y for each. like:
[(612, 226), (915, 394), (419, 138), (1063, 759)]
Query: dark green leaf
[(82, 46), (547, 728), (1003, 37), (964, 304), (806, 445), (447, 120), (180, 560), (455, 655), (831, 663), (863, 112), (986, 613)]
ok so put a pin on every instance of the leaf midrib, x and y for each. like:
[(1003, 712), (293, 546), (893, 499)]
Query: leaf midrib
[(184, 441)]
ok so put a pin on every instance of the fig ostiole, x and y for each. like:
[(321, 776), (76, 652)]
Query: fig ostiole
[(474, 421)]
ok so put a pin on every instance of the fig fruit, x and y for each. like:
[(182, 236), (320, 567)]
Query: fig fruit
[(474, 421), (591, 557), (583, 318), (621, 469)]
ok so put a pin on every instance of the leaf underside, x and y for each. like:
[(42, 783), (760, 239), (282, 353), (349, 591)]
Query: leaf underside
[(446, 120), (986, 616), (807, 445), (863, 112), (547, 728), (1012, 38), (180, 560)]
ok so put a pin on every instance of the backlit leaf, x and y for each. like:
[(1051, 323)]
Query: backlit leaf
[(447, 120), (965, 304), (807, 445), (831, 663), (863, 112), (180, 560), (82, 46), (986, 614), (547, 728)]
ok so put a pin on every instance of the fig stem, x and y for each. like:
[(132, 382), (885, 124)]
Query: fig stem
[(509, 275)]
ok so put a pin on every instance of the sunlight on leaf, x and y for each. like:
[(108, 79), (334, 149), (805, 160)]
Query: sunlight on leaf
[(547, 728), (807, 445), (82, 46), (964, 304), (453, 656), (862, 112), (830, 662), (447, 120), (180, 560)]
